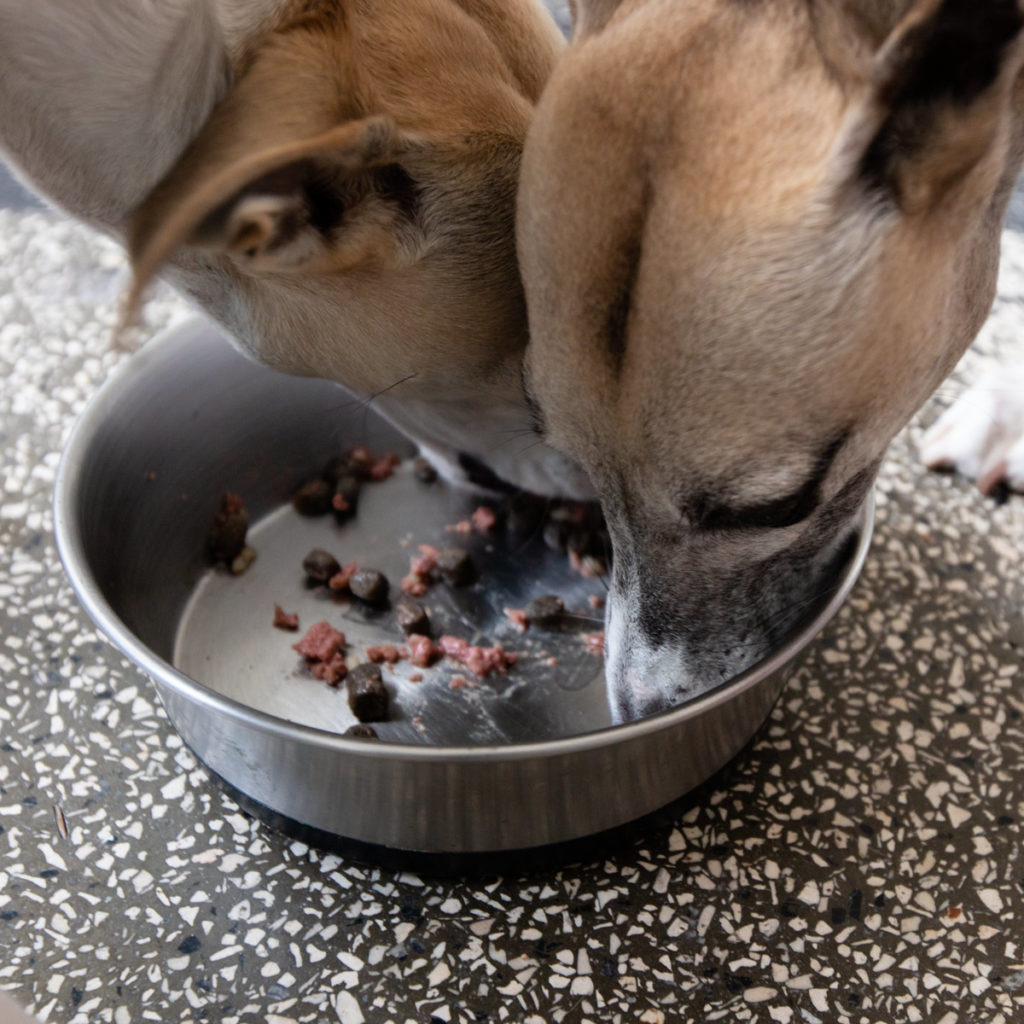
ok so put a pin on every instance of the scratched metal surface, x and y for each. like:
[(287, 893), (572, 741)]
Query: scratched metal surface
[(225, 639)]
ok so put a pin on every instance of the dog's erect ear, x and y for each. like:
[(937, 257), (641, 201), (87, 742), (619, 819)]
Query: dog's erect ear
[(274, 210), (939, 99)]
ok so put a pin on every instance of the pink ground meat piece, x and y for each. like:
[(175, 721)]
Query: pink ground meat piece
[(340, 580), (331, 672), (481, 661), (386, 652), (423, 652), (484, 519), (284, 620), (415, 586), (517, 616), (321, 642), (595, 643), (383, 467), (425, 562), (595, 601)]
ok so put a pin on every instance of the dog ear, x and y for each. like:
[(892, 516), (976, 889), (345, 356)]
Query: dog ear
[(939, 99), (275, 210)]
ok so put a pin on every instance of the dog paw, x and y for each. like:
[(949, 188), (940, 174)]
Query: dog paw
[(982, 434)]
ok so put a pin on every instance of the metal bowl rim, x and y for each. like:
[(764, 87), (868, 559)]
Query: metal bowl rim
[(72, 555)]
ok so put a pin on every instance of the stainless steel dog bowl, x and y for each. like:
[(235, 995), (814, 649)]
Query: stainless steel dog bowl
[(519, 761)]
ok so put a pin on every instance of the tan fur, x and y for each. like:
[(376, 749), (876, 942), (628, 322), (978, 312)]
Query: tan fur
[(773, 296), (340, 197)]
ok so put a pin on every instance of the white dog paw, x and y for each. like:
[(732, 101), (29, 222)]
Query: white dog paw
[(982, 434)]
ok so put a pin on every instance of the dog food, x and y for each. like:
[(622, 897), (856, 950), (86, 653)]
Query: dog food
[(313, 498), (226, 539), (417, 583), (346, 496), (411, 616), (517, 616), (361, 732), (340, 580), (367, 695), (545, 611), (383, 467), (423, 652), (369, 585), (484, 519), (456, 566), (323, 648), (481, 661), (319, 566), (387, 653), (284, 620), (242, 560)]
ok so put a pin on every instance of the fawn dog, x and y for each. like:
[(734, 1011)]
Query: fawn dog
[(754, 236)]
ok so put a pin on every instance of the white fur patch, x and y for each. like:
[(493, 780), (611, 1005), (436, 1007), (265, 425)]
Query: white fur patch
[(982, 434)]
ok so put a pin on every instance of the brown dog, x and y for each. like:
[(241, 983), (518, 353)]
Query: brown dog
[(333, 181), (755, 235)]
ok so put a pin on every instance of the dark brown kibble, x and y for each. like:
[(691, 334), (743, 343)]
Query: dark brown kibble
[(346, 496), (369, 586), (313, 498), (545, 611), (455, 565), (424, 471), (356, 463), (320, 566), (226, 538), (412, 617), (361, 732), (367, 696)]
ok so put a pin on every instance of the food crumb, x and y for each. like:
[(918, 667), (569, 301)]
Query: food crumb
[(386, 652), (285, 620), (517, 616), (243, 560), (383, 467), (423, 652), (483, 519), (552, 661), (340, 580), (462, 526), (481, 661), (595, 601), (594, 643)]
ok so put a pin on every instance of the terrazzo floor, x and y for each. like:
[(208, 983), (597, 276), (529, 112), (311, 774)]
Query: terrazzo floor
[(861, 861)]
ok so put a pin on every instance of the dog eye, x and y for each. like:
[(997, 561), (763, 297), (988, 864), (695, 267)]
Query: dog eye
[(777, 513), (770, 515)]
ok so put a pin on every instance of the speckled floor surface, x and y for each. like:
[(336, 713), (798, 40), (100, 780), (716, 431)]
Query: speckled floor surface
[(862, 861)]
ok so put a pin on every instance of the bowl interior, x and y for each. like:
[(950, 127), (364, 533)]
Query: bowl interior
[(190, 418)]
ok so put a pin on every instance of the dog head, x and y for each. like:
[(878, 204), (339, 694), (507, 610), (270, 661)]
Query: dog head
[(348, 212), (754, 238)]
